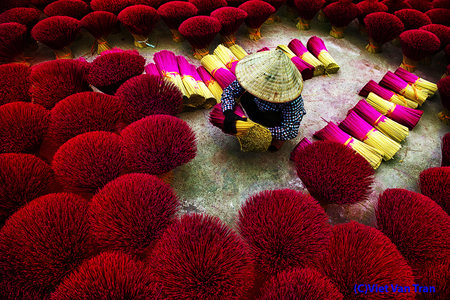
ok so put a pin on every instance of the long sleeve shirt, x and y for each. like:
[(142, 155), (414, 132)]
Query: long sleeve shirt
[(293, 111)]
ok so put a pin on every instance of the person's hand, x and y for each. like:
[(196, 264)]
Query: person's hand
[(229, 124)]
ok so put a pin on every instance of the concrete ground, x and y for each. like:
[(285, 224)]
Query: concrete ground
[(221, 177)]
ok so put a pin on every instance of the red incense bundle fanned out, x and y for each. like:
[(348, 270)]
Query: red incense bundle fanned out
[(435, 184), (421, 5), (398, 85), (14, 83), (258, 12), (57, 33), (382, 27), (373, 87), (71, 8), (23, 15), (153, 3), (213, 86), (410, 78), (166, 62), (151, 69), (112, 6), (174, 13), (439, 16), (340, 14), (389, 127), (354, 125), (6, 5), (302, 144), (100, 24), (447, 53), (332, 132), (196, 98), (445, 149), (444, 91), (307, 9), (41, 4), (334, 173), (368, 7), (200, 31), (394, 5), (231, 19), (412, 19), (140, 21), (297, 47), (206, 7), (12, 43), (114, 67), (441, 4), (52, 81), (438, 276), (276, 4), (416, 45), (235, 3), (443, 33), (317, 47), (210, 99)]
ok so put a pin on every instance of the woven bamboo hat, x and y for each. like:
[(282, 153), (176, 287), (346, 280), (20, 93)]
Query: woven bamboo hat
[(270, 76)]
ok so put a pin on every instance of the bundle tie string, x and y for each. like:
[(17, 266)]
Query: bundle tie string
[(65, 55), (348, 141), (229, 64), (168, 74), (443, 116), (403, 99), (409, 66), (367, 134), (378, 120), (199, 54), (389, 112), (208, 82)]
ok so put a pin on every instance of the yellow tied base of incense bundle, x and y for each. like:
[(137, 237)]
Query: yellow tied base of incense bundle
[(253, 137), (322, 17), (64, 53), (225, 56), (331, 66), (392, 129), (238, 51), (210, 99), (383, 143), (396, 42), (373, 47), (141, 41), (175, 78), (196, 97), (228, 40), (291, 13), (319, 68), (254, 33), (200, 53), (337, 32), (215, 88), (408, 64), (372, 155), (177, 36), (430, 87), (167, 177), (415, 94), (444, 116), (384, 107), (303, 24), (272, 19), (102, 45)]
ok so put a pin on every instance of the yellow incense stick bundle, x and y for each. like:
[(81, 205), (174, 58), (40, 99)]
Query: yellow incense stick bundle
[(400, 100), (331, 65), (296, 47), (238, 51), (252, 136), (226, 57), (212, 85), (371, 154), (414, 93)]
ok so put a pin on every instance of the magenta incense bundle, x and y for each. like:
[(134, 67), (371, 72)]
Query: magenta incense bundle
[(317, 47), (386, 94), (196, 97), (398, 85), (301, 51), (420, 83), (166, 62), (218, 70), (213, 86)]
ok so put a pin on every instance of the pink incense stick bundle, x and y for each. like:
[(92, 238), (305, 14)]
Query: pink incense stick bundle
[(368, 7), (277, 5), (301, 51), (332, 132), (100, 24), (205, 92), (57, 33), (200, 31), (386, 94), (26, 16), (400, 114), (394, 5), (140, 21), (206, 7), (412, 79), (381, 27), (444, 92), (340, 14), (443, 34), (12, 43), (360, 129), (263, 49), (412, 19), (218, 70), (151, 69), (213, 86), (389, 127), (196, 97), (174, 13), (439, 16), (398, 85), (258, 12), (231, 19), (317, 47), (307, 9), (166, 62), (416, 45), (302, 144), (306, 69), (70, 8)]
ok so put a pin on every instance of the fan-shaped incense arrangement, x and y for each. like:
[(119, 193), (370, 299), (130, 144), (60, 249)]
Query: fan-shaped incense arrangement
[(258, 12), (231, 19), (213, 86), (52, 81), (421, 5), (444, 91), (139, 20), (317, 47), (14, 83), (196, 97), (439, 16), (174, 13), (200, 31), (298, 148), (435, 184), (412, 19), (332, 132), (307, 9), (437, 275), (340, 14), (445, 148), (421, 83), (206, 7), (57, 33), (301, 51), (112, 6), (153, 3), (70, 8), (252, 136), (381, 27), (85, 112), (368, 7), (114, 67), (395, 83), (22, 126), (40, 4), (26, 16), (373, 87), (100, 24), (306, 69), (441, 4), (443, 33), (273, 17), (218, 70), (6, 5), (394, 5), (12, 43)]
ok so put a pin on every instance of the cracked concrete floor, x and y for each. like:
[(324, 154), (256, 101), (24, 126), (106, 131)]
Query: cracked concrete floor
[(221, 177)]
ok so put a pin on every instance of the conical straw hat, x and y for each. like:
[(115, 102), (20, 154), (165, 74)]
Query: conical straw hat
[(270, 76)]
